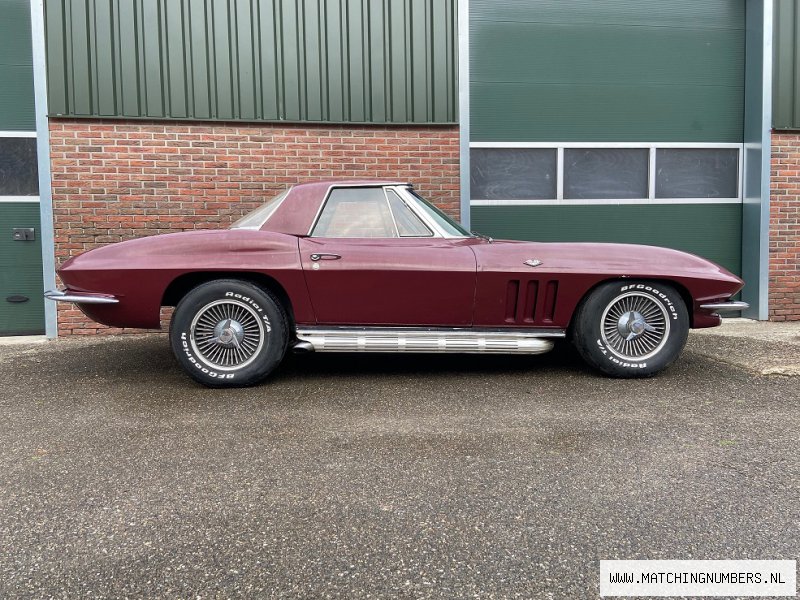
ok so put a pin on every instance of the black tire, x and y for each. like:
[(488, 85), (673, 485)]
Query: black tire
[(229, 333), (631, 328)]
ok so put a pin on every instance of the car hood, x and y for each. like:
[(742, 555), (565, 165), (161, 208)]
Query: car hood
[(586, 257)]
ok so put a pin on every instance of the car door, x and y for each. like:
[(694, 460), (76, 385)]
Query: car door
[(371, 260)]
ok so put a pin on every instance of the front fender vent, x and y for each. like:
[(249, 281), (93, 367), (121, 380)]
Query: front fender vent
[(523, 303)]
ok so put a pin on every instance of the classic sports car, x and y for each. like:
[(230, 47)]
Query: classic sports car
[(370, 266)]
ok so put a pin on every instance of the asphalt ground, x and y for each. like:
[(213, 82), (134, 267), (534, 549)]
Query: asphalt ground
[(382, 476)]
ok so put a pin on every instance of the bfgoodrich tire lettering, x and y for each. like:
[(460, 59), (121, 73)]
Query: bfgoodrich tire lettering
[(228, 333), (631, 328)]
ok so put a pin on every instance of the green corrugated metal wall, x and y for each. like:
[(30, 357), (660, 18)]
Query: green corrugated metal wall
[(379, 61), (607, 70), (786, 96)]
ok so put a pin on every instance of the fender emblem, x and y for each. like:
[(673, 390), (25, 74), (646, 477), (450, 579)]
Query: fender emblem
[(534, 262)]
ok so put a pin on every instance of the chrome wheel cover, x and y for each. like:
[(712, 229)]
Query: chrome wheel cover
[(227, 334), (635, 326)]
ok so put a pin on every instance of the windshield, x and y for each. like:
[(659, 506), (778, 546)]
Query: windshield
[(255, 219), (442, 220)]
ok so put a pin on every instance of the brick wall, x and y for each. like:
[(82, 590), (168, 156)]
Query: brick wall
[(784, 241), (115, 180)]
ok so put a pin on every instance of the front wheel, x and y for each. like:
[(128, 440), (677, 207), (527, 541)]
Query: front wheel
[(228, 333), (631, 328)]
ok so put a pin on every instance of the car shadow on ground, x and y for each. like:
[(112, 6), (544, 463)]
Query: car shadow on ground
[(131, 359), (563, 356), (150, 356)]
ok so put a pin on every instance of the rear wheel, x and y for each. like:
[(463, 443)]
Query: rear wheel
[(631, 328), (228, 333)]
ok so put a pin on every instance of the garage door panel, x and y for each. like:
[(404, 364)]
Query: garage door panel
[(21, 301), (728, 14), (712, 231), (611, 113), (565, 53)]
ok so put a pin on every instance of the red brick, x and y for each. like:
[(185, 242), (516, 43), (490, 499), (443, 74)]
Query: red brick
[(784, 247), (146, 177)]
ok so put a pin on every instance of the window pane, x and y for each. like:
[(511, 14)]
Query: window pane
[(356, 213), (256, 218), (697, 173), (447, 224), (605, 173), (19, 172), (408, 224), (513, 173)]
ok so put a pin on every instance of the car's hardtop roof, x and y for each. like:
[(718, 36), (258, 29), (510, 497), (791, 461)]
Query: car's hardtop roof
[(297, 212), (328, 183)]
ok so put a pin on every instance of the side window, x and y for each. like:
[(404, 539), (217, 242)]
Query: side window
[(356, 213), (408, 223)]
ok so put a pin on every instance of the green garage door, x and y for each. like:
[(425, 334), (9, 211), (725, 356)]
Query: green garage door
[(21, 302), (609, 120)]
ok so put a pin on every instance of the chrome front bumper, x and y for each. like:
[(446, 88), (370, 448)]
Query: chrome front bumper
[(725, 306), (79, 298)]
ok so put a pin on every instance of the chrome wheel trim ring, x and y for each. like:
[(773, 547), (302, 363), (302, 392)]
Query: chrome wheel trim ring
[(646, 320), (227, 335)]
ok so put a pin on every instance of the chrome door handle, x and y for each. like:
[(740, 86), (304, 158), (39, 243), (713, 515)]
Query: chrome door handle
[(325, 256)]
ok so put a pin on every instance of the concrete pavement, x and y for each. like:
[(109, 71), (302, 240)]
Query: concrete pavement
[(385, 476), (763, 348)]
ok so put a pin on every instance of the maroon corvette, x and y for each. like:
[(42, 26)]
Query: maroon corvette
[(372, 267)]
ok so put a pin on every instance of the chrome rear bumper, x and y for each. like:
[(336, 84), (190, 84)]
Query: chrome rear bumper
[(725, 306), (79, 298)]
